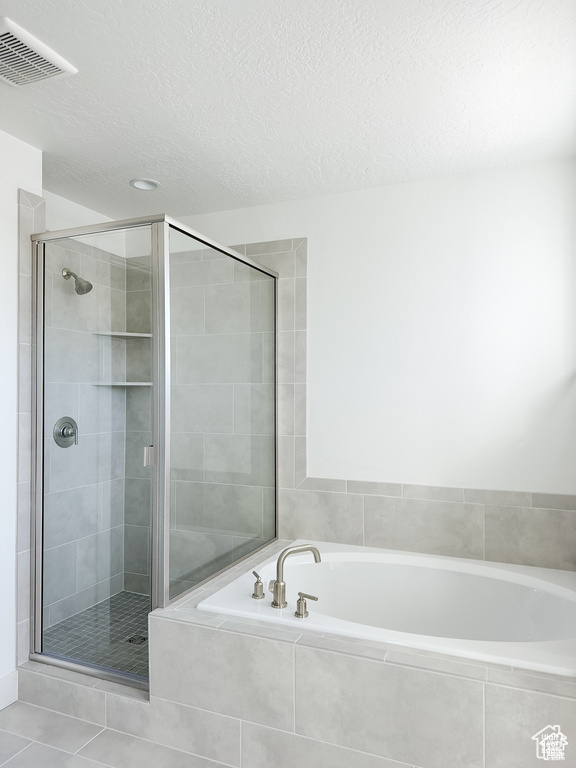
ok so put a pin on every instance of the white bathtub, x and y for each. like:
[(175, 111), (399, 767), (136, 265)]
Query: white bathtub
[(515, 615)]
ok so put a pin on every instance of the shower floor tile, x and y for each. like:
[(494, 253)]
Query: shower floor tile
[(100, 635)]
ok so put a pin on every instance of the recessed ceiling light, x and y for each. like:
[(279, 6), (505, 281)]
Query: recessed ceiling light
[(147, 185)]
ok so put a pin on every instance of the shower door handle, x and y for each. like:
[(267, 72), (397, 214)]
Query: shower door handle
[(149, 456)]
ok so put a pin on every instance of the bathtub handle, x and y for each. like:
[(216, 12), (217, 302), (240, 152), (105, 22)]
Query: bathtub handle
[(301, 612), (258, 593)]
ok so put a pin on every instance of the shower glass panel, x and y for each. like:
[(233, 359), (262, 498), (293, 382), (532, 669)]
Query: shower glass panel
[(97, 403), (222, 410)]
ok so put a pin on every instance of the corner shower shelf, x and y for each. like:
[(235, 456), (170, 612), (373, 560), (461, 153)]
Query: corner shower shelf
[(121, 383), (123, 335)]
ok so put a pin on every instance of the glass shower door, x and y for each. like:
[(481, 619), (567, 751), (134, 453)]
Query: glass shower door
[(97, 420)]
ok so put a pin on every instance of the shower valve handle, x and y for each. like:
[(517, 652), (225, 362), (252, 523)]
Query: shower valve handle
[(65, 432), (70, 432)]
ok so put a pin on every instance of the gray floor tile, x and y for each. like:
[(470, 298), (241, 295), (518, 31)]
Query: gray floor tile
[(119, 750), (40, 756), (10, 745), (49, 728)]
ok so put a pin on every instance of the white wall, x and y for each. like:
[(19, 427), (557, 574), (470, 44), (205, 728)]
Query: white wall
[(20, 167), (441, 327), (62, 213)]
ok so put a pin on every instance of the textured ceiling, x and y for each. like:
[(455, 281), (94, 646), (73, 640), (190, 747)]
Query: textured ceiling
[(232, 103)]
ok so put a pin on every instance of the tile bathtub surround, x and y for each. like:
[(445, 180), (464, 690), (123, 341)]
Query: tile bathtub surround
[(373, 707), (355, 702), (392, 516), (352, 700), (532, 536), (251, 694), (435, 527), (358, 700), (263, 747), (261, 670), (513, 717)]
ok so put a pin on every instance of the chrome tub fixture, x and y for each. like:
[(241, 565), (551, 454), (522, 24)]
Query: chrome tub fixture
[(258, 593), (301, 611), (278, 587)]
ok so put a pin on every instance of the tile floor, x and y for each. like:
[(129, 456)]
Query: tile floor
[(99, 635), (33, 737)]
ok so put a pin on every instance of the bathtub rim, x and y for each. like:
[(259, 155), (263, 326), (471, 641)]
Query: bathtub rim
[(557, 657)]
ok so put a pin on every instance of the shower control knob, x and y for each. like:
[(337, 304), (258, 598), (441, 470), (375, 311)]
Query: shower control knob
[(65, 432)]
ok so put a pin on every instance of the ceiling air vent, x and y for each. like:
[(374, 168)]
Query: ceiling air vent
[(24, 59)]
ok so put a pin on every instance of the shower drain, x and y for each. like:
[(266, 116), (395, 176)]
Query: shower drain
[(137, 639)]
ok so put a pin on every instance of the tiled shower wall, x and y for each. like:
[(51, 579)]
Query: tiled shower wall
[(84, 483), (137, 515), (101, 523)]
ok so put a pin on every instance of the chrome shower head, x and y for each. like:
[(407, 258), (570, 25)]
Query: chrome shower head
[(82, 286)]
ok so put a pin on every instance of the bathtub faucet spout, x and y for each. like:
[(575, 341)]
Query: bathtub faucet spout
[(279, 586)]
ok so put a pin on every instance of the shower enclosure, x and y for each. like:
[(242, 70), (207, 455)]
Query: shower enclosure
[(155, 430)]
